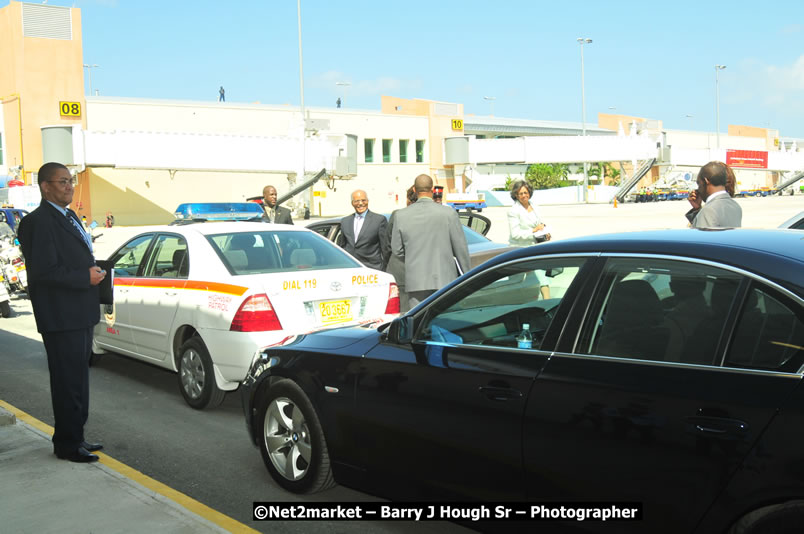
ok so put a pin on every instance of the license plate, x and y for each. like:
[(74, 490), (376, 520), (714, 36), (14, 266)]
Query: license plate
[(335, 311)]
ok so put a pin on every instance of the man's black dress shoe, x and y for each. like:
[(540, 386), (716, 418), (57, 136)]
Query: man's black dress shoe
[(80, 455), (91, 447)]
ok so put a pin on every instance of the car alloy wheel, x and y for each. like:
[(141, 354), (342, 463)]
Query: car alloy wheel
[(197, 376), (287, 438), (292, 445), (192, 374)]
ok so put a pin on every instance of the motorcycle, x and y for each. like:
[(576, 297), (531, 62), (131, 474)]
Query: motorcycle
[(11, 261), (5, 298)]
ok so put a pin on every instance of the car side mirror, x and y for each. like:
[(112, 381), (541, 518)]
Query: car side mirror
[(401, 330)]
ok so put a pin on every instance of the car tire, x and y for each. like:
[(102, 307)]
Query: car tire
[(785, 518), (5, 309), (292, 440), (197, 376)]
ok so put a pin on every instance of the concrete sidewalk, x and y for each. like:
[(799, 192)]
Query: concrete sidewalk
[(40, 493)]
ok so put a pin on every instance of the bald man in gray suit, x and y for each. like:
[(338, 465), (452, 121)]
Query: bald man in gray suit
[(428, 238), (720, 210)]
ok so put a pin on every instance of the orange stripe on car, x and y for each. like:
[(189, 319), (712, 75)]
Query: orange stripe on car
[(173, 283)]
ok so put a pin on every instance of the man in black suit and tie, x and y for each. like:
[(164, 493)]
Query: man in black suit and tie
[(274, 213), (63, 286), (365, 234)]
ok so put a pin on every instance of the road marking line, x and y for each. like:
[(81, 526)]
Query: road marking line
[(179, 498)]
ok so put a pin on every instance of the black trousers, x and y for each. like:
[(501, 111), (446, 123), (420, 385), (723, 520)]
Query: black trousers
[(68, 362)]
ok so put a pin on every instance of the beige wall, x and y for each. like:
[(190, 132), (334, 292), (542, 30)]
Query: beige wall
[(137, 197), (440, 127), (385, 183), (43, 72), (612, 122)]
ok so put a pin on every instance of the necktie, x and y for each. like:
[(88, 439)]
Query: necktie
[(80, 230)]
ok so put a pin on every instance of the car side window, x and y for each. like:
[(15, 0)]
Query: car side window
[(661, 310), (492, 308), (128, 258), (169, 259), (322, 230), (769, 333)]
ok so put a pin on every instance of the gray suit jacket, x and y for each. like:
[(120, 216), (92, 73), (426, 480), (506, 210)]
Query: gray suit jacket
[(282, 216), (371, 245), (428, 238), (395, 265), (719, 212)]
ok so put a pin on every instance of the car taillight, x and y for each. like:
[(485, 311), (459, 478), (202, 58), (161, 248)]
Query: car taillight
[(393, 299), (255, 315)]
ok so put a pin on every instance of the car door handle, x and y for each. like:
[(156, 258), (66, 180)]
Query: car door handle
[(715, 426), (499, 394), (171, 293)]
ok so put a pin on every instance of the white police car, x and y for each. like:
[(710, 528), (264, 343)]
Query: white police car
[(202, 299)]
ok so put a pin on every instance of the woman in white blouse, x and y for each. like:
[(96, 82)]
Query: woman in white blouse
[(523, 219), (523, 222)]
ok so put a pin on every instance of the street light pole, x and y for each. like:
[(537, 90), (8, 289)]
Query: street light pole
[(345, 85), (304, 119), (89, 69), (490, 100), (718, 68), (582, 41)]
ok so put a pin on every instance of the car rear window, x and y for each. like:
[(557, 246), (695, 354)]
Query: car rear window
[(277, 251)]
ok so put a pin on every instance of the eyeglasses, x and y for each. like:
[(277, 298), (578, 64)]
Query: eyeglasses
[(63, 182), (360, 202)]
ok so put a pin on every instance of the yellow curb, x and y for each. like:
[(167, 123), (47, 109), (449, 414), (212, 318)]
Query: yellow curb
[(179, 498)]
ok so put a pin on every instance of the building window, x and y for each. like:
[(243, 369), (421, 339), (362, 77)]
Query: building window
[(368, 147), (386, 150), (419, 150), (403, 150)]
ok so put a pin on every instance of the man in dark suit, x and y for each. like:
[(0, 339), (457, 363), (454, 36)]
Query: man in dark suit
[(365, 234), (273, 213), (63, 286), (428, 238)]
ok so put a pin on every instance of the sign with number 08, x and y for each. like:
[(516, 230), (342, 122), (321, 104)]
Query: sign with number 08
[(70, 109)]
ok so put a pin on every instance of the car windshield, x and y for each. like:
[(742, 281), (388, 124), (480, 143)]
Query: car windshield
[(259, 252)]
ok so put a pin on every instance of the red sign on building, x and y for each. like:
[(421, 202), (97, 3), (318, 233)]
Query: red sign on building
[(747, 159)]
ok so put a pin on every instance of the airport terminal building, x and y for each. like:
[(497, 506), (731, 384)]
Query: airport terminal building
[(140, 158)]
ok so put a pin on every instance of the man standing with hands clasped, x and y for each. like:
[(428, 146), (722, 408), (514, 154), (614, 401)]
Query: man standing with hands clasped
[(63, 286), (365, 234), (273, 213), (428, 238)]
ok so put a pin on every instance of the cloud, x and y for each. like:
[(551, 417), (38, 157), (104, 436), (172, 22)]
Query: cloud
[(777, 87), (374, 87)]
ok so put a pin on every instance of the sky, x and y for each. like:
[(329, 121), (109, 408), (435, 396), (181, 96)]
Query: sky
[(654, 60)]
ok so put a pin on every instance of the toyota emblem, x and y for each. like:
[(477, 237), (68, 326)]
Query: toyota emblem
[(335, 286)]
